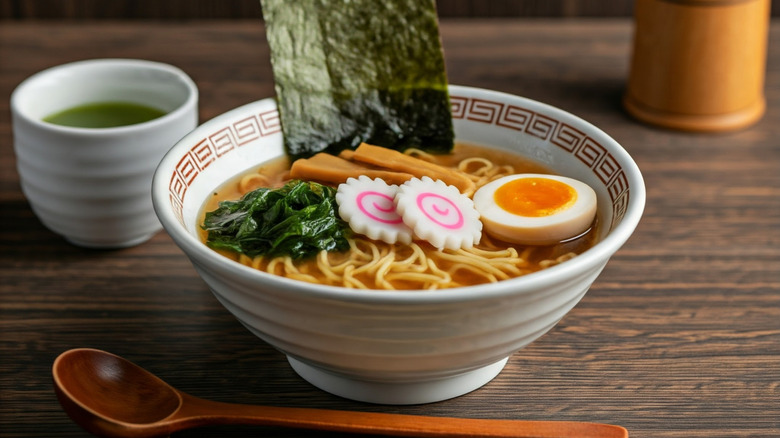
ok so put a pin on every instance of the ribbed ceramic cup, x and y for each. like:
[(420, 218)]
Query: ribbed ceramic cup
[(93, 185)]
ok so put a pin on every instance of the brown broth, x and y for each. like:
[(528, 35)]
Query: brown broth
[(275, 173)]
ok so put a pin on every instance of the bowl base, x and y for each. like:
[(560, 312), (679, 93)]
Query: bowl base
[(405, 393), (91, 244)]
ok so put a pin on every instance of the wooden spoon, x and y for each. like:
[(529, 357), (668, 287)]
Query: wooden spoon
[(112, 397)]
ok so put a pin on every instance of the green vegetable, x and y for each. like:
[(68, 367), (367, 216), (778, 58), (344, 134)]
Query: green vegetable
[(300, 220), (352, 71)]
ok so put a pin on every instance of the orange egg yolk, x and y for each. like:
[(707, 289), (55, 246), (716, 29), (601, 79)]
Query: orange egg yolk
[(534, 197)]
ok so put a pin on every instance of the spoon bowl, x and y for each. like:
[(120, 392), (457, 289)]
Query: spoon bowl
[(112, 397), (97, 389)]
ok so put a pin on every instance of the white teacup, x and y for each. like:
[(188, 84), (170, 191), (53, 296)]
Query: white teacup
[(93, 185)]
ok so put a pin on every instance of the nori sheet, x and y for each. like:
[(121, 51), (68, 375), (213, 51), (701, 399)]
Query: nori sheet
[(352, 71)]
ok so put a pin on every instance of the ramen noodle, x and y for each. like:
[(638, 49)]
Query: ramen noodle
[(372, 264)]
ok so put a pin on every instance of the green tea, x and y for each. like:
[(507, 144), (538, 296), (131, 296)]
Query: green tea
[(104, 115)]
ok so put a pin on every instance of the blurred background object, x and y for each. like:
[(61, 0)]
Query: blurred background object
[(699, 65)]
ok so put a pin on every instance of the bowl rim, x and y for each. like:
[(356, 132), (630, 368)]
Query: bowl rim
[(76, 68), (572, 269)]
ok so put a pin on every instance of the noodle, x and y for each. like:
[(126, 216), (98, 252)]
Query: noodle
[(370, 264), (249, 182), (386, 266)]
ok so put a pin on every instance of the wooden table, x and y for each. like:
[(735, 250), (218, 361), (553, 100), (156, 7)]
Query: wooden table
[(679, 337)]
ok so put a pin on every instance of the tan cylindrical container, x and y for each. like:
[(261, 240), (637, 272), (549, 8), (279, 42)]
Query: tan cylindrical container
[(698, 65)]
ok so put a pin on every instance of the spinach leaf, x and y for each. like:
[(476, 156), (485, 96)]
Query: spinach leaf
[(353, 71), (299, 219)]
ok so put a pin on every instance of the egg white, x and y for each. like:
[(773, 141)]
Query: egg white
[(544, 230)]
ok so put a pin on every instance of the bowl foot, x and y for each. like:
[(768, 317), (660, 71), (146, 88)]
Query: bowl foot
[(97, 244), (403, 393)]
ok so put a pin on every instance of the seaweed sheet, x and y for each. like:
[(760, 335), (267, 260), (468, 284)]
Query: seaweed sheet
[(352, 71)]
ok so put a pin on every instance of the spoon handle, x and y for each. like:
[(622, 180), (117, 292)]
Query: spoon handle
[(394, 424)]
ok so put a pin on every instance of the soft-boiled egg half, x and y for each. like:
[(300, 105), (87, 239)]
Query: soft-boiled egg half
[(535, 209)]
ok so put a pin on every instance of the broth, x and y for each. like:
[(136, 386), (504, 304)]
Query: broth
[(416, 266), (104, 115)]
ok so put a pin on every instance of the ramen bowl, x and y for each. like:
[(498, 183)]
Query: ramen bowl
[(402, 347)]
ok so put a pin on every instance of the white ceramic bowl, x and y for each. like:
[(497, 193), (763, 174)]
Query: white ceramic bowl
[(402, 347)]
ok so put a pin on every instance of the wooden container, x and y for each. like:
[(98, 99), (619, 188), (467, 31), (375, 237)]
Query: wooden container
[(698, 65)]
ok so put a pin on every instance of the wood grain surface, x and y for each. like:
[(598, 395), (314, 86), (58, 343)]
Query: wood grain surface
[(678, 337), (244, 9)]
